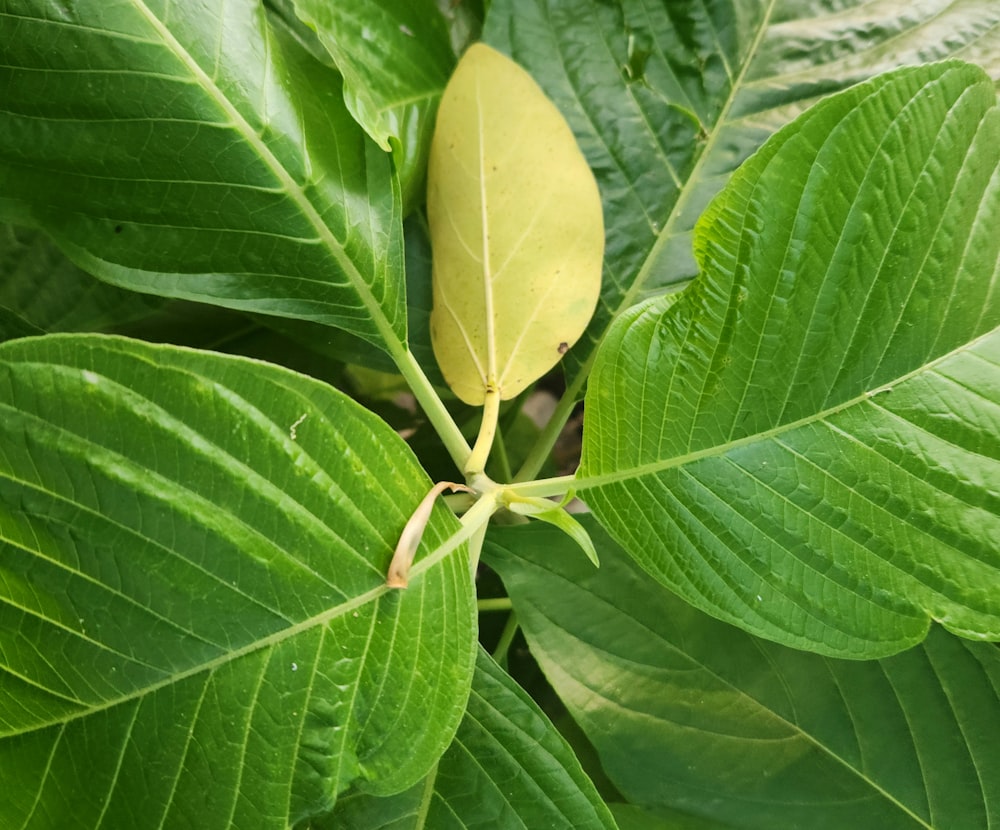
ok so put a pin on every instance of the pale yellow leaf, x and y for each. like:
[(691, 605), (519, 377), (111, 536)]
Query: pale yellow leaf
[(516, 227)]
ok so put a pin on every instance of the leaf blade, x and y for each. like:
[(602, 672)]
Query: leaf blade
[(507, 767), (670, 99), (395, 59), (47, 291), (679, 704), (174, 164), (516, 228), (167, 569), (810, 330)]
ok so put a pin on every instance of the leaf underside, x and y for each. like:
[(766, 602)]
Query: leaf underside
[(516, 229)]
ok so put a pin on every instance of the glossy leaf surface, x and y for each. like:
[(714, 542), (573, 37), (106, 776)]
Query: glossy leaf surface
[(516, 230), (200, 153), (668, 97), (692, 715), (805, 443), (507, 767), (191, 591), (395, 58)]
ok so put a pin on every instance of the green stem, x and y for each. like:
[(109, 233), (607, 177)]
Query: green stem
[(476, 462), (494, 604), (501, 457), (445, 426), (506, 638), (476, 548), (550, 434), (542, 488), (426, 798)]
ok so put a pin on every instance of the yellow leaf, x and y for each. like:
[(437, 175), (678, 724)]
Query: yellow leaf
[(516, 228)]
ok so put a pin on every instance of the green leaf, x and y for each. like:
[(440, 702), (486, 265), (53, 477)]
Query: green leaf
[(395, 56), (338, 345), (630, 817), (554, 514), (804, 443), (668, 97), (691, 714), (508, 767), (13, 325), (38, 284), (191, 590), (200, 154), (516, 229), (464, 21)]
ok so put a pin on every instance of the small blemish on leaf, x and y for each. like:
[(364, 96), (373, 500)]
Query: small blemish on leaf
[(882, 390), (563, 347), (118, 229), (293, 429), (638, 56)]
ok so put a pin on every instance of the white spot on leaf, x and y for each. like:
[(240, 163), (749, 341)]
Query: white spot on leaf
[(293, 429)]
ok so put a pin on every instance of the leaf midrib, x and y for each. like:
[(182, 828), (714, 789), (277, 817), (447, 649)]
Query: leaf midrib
[(589, 482), (794, 727), (288, 184), (272, 639), (576, 384), (629, 298), (490, 381), (433, 557)]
